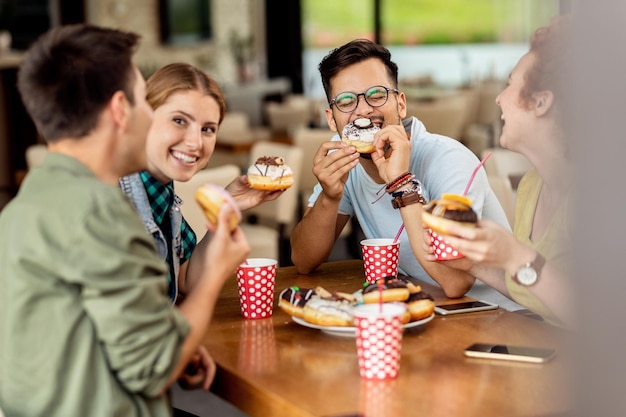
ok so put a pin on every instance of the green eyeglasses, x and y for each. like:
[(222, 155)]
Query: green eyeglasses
[(348, 101)]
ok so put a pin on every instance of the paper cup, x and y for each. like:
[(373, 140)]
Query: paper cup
[(379, 339), (380, 258), (443, 251), (256, 280), (257, 349)]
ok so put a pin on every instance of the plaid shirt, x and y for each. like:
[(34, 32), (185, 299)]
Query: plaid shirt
[(161, 198)]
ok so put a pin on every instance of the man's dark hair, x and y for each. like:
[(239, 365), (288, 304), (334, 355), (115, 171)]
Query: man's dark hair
[(69, 75), (354, 52)]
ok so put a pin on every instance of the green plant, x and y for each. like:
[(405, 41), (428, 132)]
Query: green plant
[(242, 47)]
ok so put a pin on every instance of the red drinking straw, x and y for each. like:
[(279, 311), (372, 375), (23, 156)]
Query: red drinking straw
[(469, 183), (395, 240)]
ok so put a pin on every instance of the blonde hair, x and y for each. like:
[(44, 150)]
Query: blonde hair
[(177, 77)]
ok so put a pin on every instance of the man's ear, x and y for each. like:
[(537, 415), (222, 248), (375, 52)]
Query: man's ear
[(330, 119), (120, 108), (543, 102), (401, 105)]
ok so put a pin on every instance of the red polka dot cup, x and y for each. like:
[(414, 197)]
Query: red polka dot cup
[(380, 258), (443, 251), (256, 280), (379, 339)]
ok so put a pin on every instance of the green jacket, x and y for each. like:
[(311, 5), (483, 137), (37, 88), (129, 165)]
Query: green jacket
[(86, 327)]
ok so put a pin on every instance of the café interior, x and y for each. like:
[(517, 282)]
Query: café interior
[(255, 49)]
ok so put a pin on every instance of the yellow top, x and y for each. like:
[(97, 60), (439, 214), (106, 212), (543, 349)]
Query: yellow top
[(554, 244)]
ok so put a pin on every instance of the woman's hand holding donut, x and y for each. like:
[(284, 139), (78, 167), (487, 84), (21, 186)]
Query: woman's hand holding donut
[(332, 164), (247, 197)]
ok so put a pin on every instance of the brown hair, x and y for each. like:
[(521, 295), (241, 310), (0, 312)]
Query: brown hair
[(351, 53), (69, 75), (177, 77), (551, 48)]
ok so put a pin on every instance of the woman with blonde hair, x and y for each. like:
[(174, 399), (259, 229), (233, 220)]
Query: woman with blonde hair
[(188, 109)]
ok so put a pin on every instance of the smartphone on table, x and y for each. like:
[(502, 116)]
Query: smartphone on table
[(510, 353), (464, 307)]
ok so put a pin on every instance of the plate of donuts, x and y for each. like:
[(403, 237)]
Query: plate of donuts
[(333, 312), (350, 331)]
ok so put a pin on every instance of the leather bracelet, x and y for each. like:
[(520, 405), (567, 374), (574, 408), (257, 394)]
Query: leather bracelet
[(402, 183), (408, 199), (404, 176)]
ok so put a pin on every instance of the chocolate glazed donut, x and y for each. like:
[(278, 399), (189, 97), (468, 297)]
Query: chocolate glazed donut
[(293, 299), (392, 288), (420, 305)]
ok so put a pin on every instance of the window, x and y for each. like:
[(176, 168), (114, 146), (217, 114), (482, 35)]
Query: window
[(185, 21), (453, 42)]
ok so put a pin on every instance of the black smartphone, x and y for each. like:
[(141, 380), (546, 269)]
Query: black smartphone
[(510, 353), (464, 307)]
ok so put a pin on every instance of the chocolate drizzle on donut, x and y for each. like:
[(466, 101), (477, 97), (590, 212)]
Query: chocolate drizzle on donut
[(267, 161), (270, 160), (297, 296)]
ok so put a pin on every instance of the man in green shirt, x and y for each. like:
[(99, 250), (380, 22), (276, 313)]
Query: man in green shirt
[(86, 327)]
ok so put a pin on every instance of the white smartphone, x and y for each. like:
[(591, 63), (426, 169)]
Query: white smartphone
[(464, 307), (510, 353)]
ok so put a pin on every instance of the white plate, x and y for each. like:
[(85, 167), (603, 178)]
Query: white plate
[(350, 331)]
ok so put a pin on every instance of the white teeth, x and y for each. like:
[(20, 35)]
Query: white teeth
[(183, 157)]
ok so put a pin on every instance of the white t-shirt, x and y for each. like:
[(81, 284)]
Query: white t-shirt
[(443, 165)]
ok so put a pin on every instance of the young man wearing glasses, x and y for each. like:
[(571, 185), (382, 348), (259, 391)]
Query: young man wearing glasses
[(361, 81)]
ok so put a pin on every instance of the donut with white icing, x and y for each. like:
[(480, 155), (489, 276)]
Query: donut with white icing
[(360, 134), (270, 173)]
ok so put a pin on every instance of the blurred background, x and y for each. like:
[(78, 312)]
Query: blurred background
[(454, 57)]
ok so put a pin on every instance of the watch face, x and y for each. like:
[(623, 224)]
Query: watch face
[(526, 275)]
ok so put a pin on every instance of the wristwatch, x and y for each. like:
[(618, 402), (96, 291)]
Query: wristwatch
[(408, 198), (528, 274), (411, 195)]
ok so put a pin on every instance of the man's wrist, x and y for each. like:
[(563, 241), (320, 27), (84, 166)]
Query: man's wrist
[(411, 194), (407, 199)]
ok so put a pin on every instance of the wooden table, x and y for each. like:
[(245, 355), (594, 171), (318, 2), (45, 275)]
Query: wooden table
[(275, 367)]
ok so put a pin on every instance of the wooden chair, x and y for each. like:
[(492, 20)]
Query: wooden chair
[(285, 117), (309, 140), (235, 138), (444, 115)]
